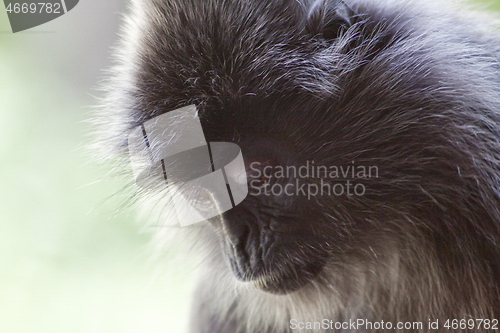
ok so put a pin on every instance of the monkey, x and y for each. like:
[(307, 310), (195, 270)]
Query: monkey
[(407, 89)]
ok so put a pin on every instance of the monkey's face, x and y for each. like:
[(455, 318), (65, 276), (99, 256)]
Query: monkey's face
[(269, 89), (295, 88)]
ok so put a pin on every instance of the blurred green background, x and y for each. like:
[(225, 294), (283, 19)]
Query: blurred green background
[(69, 261)]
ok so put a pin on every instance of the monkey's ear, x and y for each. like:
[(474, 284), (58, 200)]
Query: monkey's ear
[(329, 18)]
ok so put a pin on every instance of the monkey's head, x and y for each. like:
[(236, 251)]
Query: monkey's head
[(357, 144)]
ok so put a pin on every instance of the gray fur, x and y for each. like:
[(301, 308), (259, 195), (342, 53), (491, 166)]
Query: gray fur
[(412, 87)]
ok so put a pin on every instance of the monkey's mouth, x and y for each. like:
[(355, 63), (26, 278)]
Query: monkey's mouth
[(290, 280), (276, 268)]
